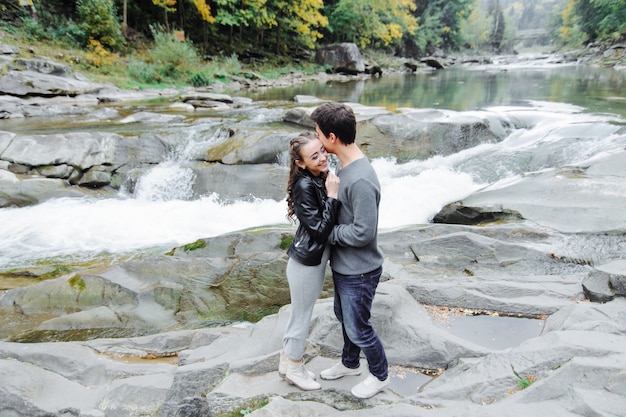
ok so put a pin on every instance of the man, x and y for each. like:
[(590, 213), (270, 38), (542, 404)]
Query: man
[(356, 259)]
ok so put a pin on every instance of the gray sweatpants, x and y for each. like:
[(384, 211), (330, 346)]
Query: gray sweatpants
[(305, 286)]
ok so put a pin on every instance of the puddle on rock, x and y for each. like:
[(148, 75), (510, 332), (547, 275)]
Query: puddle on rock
[(495, 332), (490, 330), (406, 381)]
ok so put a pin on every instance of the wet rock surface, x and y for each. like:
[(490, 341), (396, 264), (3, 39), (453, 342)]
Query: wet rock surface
[(516, 269)]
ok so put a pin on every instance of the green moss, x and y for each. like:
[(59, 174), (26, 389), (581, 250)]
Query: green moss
[(246, 408), (285, 241), (77, 282), (221, 317), (198, 244)]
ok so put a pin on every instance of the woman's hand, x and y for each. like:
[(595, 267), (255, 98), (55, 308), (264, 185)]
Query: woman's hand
[(332, 185)]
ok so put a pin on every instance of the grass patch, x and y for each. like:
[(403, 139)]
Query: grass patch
[(523, 383), (162, 63), (245, 409)]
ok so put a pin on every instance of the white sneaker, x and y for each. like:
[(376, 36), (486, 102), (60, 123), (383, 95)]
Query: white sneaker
[(369, 387), (282, 366), (297, 375), (338, 370)]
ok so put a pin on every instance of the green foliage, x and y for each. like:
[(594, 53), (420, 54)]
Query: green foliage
[(198, 244), (602, 19), (99, 22), (439, 25), (34, 29), (71, 32), (285, 241), (168, 60), (142, 71), (523, 383), (200, 79), (230, 65), (371, 24), (591, 20), (296, 23)]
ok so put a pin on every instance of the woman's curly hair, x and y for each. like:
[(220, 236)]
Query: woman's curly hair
[(295, 154)]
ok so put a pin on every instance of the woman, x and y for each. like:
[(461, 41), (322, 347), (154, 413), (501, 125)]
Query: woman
[(312, 200)]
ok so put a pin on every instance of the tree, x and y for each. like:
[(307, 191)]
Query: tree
[(602, 19), (168, 7), (99, 22), (496, 37), (371, 23), (297, 20), (591, 20), (240, 13), (439, 23)]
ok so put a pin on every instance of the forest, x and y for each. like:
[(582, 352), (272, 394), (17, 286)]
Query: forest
[(157, 39)]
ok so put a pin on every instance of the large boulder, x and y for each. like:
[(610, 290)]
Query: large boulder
[(342, 57)]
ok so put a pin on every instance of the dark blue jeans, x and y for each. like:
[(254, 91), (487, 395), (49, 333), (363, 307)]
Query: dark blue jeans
[(354, 295)]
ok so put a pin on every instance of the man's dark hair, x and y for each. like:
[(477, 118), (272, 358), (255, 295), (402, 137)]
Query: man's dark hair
[(338, 119)]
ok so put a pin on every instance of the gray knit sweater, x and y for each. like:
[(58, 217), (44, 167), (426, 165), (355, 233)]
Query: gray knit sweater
[(355, 247)]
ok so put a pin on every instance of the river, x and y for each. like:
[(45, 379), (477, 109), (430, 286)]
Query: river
[(160, 214)]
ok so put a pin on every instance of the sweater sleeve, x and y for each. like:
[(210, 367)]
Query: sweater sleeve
[(364, 198)]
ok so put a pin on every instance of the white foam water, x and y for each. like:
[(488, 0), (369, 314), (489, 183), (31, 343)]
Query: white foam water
[(163, 214)]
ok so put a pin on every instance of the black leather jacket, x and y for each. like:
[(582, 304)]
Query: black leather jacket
[(317, 214)]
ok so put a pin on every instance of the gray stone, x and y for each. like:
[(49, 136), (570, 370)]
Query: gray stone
[(30, 83), (343, 57)]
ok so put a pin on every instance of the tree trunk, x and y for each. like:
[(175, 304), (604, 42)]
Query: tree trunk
[(33, 12), (278, 38), (125, 19)]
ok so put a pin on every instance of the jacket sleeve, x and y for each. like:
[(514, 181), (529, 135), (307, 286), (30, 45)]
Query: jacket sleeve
[(317, 217)]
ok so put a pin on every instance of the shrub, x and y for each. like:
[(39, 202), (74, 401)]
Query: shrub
[(34, 30), (173, 59), (200, 79), (141, 71), (70, 33), (99, 22)]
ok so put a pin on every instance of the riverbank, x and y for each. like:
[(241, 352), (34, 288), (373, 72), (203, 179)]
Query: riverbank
[(231, 73)]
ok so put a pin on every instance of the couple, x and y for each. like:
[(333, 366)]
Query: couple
[(339, 222)]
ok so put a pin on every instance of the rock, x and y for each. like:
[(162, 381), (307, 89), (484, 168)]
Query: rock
[(249, 146), (9, 49), (19, 192), (343, 57), (433, 62), (304, 100), (299, 116), (239, 181), (88, 159), (606, 282), (566, 195), (29, 83), (149, 117), (580, 352), (95, 177), (455, 213), (199, 96), (43, 66)]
